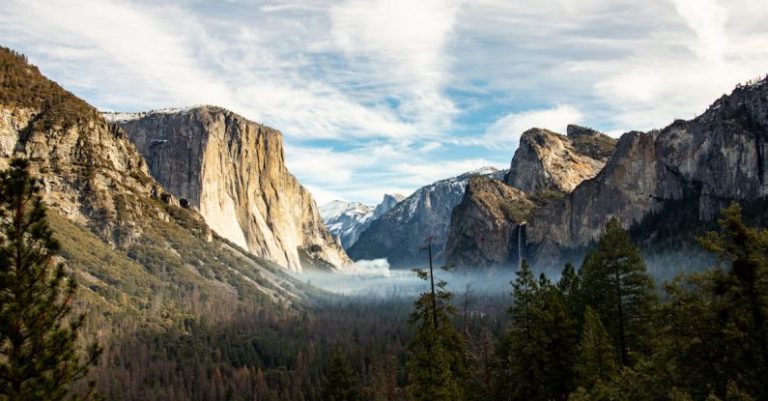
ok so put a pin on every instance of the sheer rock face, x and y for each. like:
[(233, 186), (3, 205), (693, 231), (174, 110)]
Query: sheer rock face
[(400, 234), (702, 164), (487, 226), (549, 161), (233, 171)]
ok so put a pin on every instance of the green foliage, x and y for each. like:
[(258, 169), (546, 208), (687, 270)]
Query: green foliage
[(39, 351), (616, 285), (436, 362), (596, 362), (535, 357)]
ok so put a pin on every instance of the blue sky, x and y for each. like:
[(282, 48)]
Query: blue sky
[(378, 96)]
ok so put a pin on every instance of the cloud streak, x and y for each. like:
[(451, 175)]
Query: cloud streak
[(380, 96)]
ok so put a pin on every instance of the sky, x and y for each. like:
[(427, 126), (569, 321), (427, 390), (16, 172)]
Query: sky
[(385, 96)]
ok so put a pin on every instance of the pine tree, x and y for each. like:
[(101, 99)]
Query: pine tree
[(614, 282), (340, 383), (435, 366), (746, 284), (536, 355), (596, 362), (39, 355), (715, 321)]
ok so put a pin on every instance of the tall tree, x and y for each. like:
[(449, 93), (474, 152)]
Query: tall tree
[(746, 249), (536, 355), (39, 354), (715, 321), (435, 366), (614, 282), (596, 362)]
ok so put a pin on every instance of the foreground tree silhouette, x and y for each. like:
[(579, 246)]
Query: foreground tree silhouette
[(39, 356)]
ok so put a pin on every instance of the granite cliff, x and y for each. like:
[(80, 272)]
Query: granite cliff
[(546, 160), (487, 229), (487, 226), (667, 182), (233, 172)]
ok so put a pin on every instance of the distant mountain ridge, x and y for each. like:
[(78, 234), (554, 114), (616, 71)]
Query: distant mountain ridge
[(347, 220), (400, 233)]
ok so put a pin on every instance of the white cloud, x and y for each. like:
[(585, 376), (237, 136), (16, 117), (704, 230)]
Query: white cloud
[(506, 131), (401, 45), (389, 95), (706, 18)]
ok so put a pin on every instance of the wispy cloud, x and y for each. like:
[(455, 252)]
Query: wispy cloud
[(505, 132), (379, 96)]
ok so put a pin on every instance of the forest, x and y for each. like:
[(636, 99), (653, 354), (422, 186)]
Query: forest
[(605, 330)]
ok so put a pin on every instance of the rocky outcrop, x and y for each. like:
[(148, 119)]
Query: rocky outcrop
[(487, 226), (689, 169), (400, 234), (388, 202), (233, 172), (549, 161)]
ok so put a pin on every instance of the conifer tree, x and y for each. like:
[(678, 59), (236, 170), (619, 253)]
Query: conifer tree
[(596, 361), (39, 355), (614, 282), (340, 383), (435, 367), (536, 355), (746, 283)]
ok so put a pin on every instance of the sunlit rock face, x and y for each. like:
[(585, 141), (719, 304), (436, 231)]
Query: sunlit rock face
[(547, 160), (233, 171), (487, 227)]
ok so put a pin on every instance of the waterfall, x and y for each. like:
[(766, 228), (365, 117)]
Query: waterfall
[(520, 246)]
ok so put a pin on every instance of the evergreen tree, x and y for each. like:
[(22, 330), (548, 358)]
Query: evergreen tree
[(436, 364), (614, 282), (746, 283), (39, 355), (340, 383), (715, 321), (536, 355), (596, 362)]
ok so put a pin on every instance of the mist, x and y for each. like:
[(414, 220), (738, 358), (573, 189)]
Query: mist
[(375, 278)]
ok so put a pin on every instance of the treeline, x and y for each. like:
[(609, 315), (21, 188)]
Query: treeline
[(604, 331)]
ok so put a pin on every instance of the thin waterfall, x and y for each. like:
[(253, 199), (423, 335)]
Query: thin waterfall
[(520, 246)]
